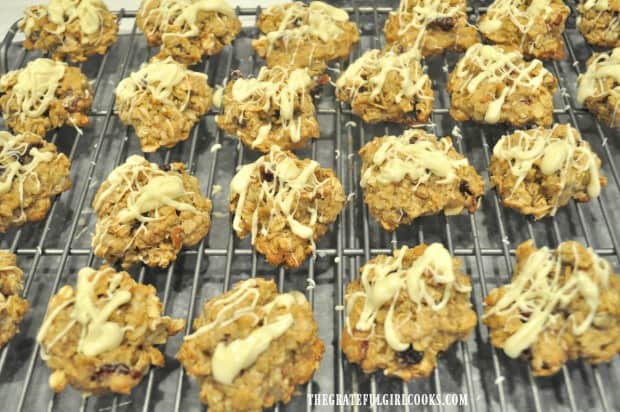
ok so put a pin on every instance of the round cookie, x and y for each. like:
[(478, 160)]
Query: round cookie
[(599, 22), (162, 101), (45, 95), (100, 336), (12, 306), (286, 204), (599, 87), (387, 86), (273, 109), (146, 213), (405, 309), (32, 173), (560, 305), (537, 171), (188, 29), (252, 347), (69, 29), (304, 35), (415, 174)]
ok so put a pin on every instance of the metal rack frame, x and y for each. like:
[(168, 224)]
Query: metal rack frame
[(354, 239)]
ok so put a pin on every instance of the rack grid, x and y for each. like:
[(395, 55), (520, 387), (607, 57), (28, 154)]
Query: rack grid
[(52, 251)]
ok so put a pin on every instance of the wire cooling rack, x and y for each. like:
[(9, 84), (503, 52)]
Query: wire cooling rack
[(52, 251)]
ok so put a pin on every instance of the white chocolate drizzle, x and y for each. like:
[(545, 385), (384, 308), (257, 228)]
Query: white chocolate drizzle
[(384, 282), (181, 14), (381, 64), (592, 83), (552, 155), (277, 88), (158, 78), (92, 312), (288, 183), (495, 65), (35, 86), (63, 12), (522, 13), (398, 157), (229, 359), (538, 291)]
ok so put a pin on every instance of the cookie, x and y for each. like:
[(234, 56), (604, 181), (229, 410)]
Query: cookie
[(273, 109), (186, 30), (599, 22), (405, 309), (147, 213), (32, 173), (491, 85), (537, 171), (251, 347), (386, 86), (560, 305), (45, 95), (534, 28), (162, 101), (286, 204), (430, 26), (69, 29), (100, 336), (415, 174), (599, 87), (12, 306), (299, 35)]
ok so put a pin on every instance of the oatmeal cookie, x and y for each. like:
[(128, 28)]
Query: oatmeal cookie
[(385, 86), (73, 29), (286, 204), (44, 95), (430, 26), (252, 347), (188, 29), (490, 85), (416, 174), (537, 171), (162, 101), (12, 306), (32, 173), (405, 309), (560, 305), (599, 87), (534, 27), (146, 213), (273, 109), (599, 22), (300, 35), (100, 336)]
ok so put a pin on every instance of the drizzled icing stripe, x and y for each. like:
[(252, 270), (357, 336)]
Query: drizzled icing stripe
[(63, 12), (12, 149), (592, 83), (539, 147), (538, 290), (419, 14), (278, 88), (493, 64), (35, 86), (229, 359), (181, 14), (398, 157), (384, 63), (522, 13), (383, 282), (98, 334), (318, 19), (158, 78), (284, 191)]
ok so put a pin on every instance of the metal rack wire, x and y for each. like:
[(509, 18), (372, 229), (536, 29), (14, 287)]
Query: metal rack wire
[(50, 252)]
